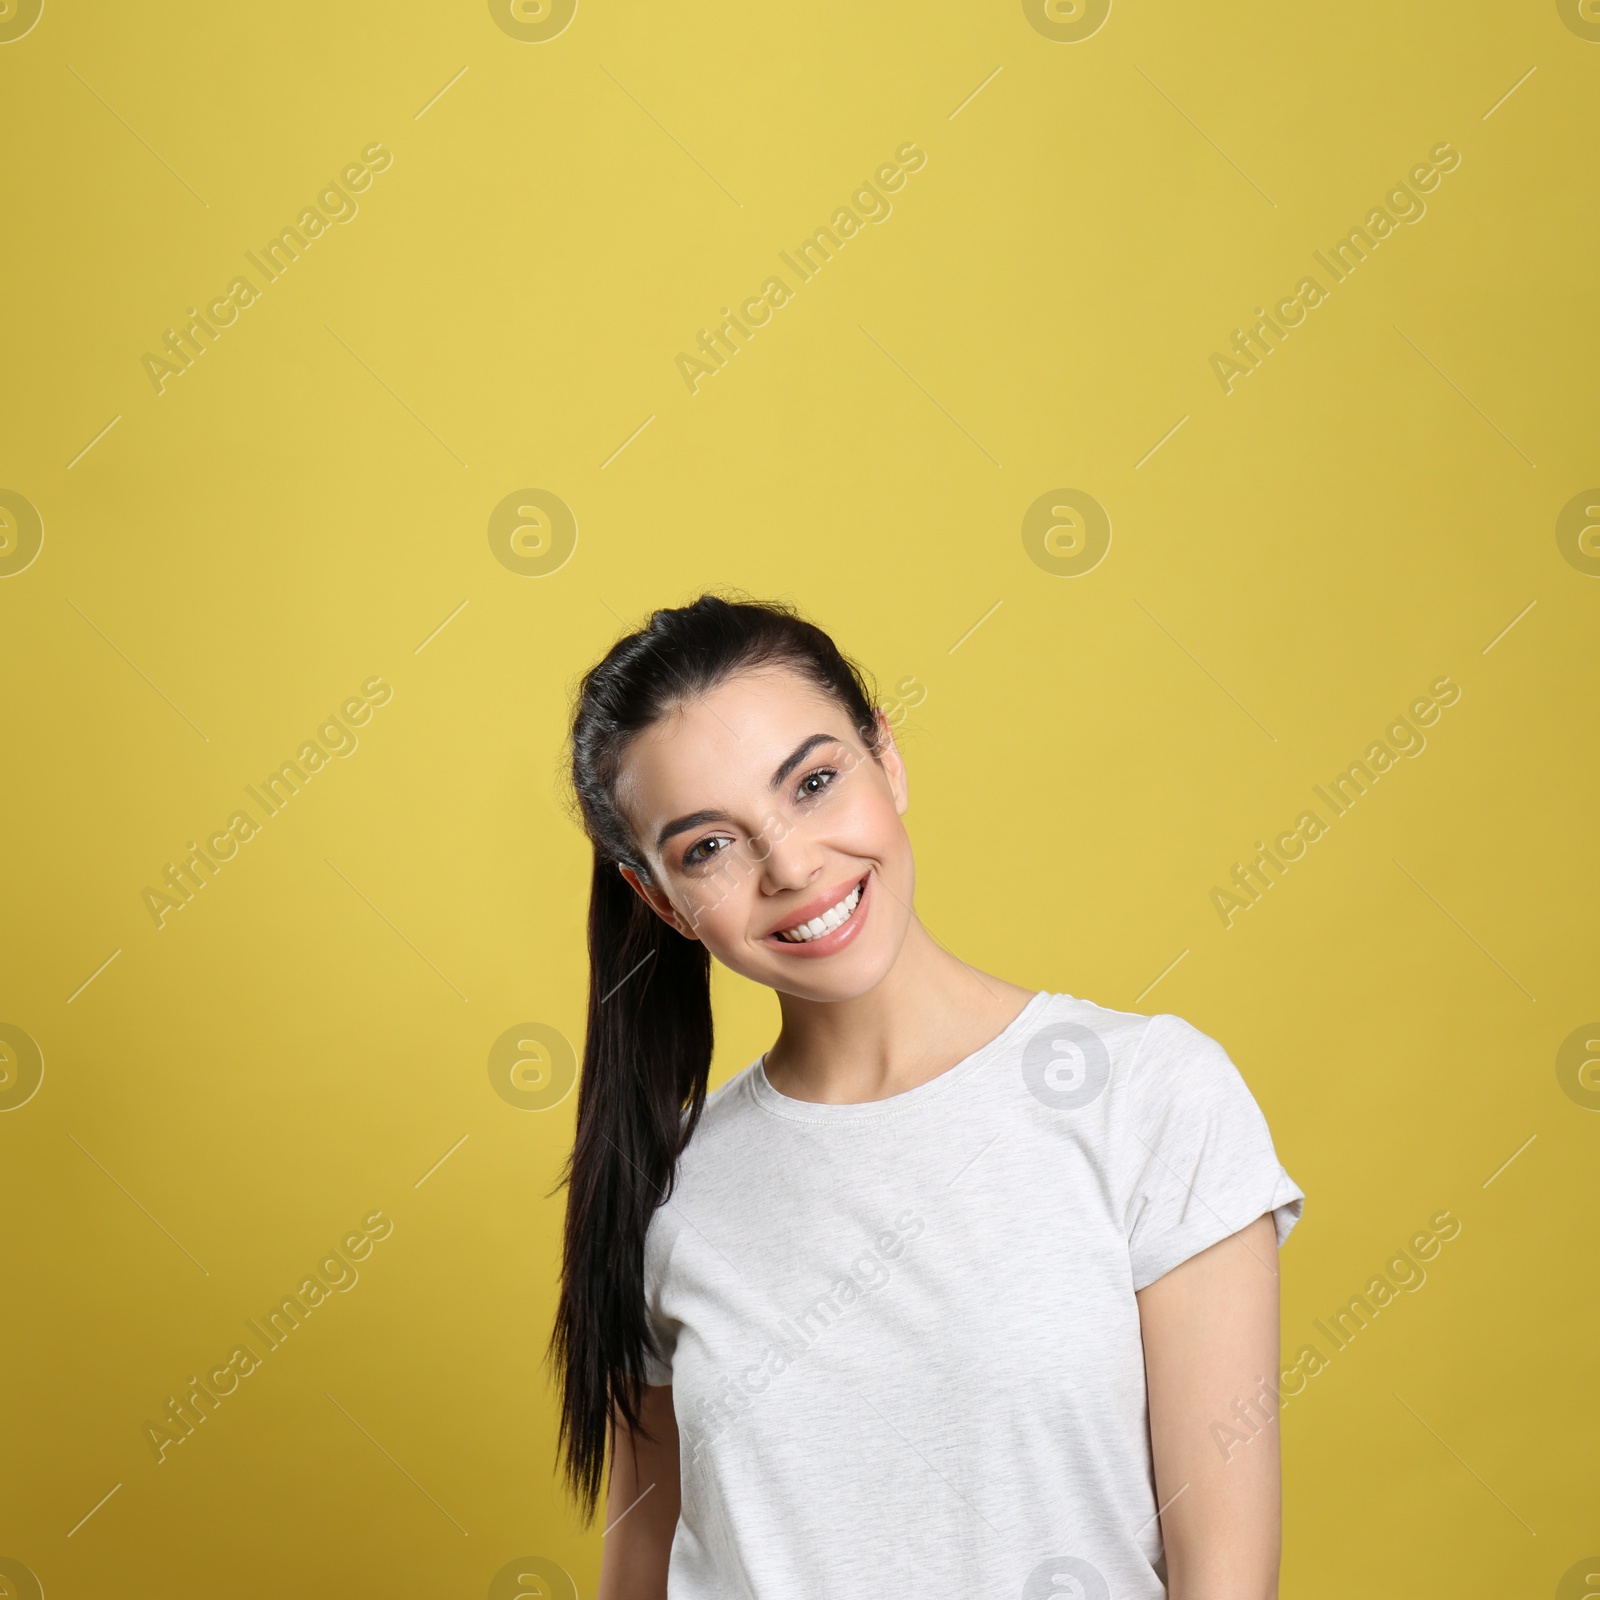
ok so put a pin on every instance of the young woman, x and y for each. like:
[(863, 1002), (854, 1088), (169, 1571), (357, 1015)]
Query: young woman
[(961, 1287)]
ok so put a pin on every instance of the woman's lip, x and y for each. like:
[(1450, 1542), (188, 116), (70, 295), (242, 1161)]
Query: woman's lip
[(825, 901), (836, 939)]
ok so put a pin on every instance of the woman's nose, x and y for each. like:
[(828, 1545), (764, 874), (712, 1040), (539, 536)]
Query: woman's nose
[(788, 863)]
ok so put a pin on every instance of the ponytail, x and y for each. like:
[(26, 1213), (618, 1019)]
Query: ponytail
[(647, 1049), (647, 1053)]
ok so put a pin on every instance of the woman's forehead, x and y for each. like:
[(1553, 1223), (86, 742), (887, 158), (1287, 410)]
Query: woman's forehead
[(717, 746)]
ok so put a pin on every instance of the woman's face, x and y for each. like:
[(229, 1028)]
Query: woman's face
[(760, 811)]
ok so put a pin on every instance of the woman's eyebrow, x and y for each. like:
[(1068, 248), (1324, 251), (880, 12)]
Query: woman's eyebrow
[(697, 819), (801, 751), (678, 825)]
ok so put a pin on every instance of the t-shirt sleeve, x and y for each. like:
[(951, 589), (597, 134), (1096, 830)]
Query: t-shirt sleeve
[(657, 1368), (1197, 1160)]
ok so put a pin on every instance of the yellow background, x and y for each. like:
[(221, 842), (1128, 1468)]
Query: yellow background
[(307, 1040)]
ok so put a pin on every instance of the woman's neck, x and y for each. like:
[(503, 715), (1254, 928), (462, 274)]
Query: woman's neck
[(929, 1011)]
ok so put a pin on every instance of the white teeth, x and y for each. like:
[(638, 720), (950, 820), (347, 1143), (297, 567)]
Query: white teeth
[(826, 923)]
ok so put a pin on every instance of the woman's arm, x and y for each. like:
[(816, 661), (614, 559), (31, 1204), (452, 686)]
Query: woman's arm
[(642, 1504), (1211, 1360)]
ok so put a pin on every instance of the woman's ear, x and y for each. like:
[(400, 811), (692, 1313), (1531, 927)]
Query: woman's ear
[(894, 767), (657, 902)]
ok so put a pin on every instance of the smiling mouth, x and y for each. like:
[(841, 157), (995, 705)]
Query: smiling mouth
[(833, 917)]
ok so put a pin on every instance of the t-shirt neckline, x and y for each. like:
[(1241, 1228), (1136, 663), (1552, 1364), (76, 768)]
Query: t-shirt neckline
[(782, 1105)]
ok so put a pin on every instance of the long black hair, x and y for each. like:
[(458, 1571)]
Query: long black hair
[(647, 1050)]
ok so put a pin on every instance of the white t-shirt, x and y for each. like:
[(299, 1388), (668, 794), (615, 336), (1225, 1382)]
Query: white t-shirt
[(902, 1336)]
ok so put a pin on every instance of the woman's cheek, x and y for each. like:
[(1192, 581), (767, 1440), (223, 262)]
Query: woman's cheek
[(876, 823), (711, 915)]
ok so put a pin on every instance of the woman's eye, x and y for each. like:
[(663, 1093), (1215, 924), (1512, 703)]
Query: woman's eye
[(810, 786)]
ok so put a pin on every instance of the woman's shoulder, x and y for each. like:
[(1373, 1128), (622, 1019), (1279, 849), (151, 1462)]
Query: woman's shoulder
[(1042, 1009), (719, 1140), (1164, 1033), (723, 1109), (1146, 1053), (1120, 1031)]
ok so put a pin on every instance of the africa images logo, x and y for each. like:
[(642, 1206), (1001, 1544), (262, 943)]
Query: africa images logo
[(335, 738), (869, 203), (865, 1276), (1402, 203), (1404, 737), (336, 1273), (335, 202)]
